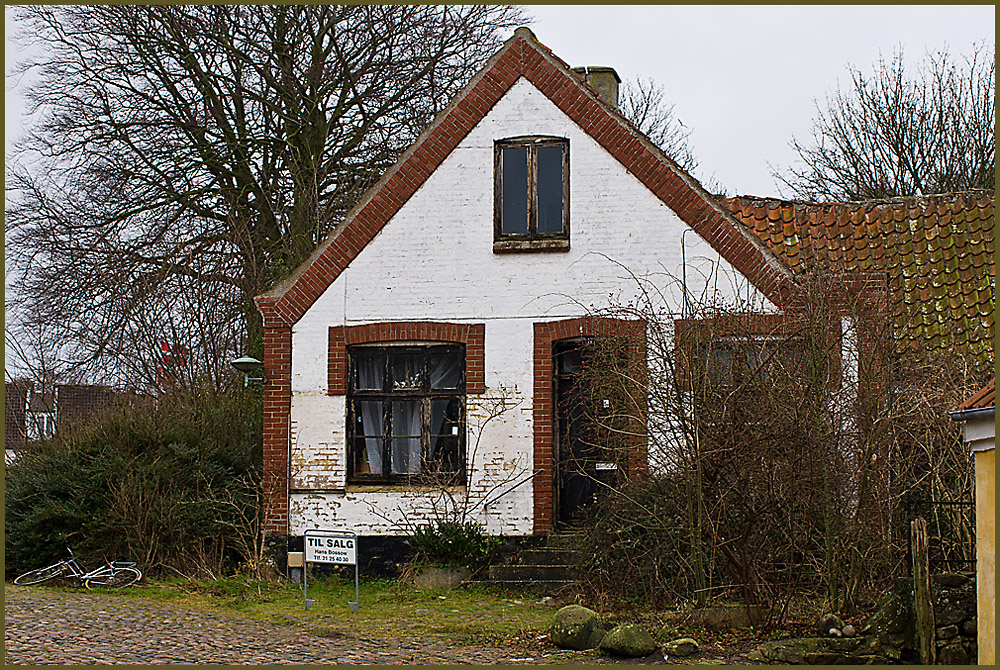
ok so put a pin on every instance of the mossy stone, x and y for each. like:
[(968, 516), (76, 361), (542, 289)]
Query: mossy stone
[(577, 627), (629, 640)]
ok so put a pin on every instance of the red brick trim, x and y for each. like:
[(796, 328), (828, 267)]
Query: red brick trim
[(277, 410), (523, 56), (543, 409), (472, 335)]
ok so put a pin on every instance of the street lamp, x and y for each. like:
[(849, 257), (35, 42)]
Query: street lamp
[(246, 365)]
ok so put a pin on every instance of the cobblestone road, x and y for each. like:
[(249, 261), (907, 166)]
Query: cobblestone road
[(46, 626)]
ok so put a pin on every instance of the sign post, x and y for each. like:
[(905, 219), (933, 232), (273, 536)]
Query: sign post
[(327, 546)]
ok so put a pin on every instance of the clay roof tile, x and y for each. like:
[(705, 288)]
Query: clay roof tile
[(981, 399), (932, 249)]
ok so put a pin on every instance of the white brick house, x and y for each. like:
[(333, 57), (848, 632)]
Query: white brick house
[(527, 204)]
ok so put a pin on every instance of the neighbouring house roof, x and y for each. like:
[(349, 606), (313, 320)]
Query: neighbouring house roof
[(981, 399), (978, 414), (937, 253), (524, 56)]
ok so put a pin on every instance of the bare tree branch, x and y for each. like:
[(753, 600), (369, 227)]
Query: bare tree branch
[(890, 134), (194, 155)]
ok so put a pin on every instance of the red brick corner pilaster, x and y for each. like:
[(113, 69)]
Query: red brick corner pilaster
[(472, 335), (544, 411), (277, 410), (277, 417)]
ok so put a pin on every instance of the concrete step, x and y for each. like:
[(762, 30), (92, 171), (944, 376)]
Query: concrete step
[(550, 556), (536, 573), (566, 539)]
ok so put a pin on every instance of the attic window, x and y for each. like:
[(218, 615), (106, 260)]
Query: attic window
[(531, 194)]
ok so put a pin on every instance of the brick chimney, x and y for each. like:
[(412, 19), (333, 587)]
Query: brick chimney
[(602, 79)]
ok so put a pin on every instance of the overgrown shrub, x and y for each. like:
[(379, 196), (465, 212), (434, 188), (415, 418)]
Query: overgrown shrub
[(786, 454), (637, 544), (169, 482), (454, 543)]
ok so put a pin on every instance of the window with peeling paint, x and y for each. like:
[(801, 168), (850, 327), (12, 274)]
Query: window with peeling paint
[(406, 414), (531, 193)]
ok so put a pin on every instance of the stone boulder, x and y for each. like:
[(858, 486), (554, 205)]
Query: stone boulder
[(894, 615), (830, 625), (577, 627), (684, 646), (629, 640), (954, 597), (952, 654), (951, 580), (723, 617)]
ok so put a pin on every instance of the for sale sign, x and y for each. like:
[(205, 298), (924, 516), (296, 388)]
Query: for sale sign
[(331, 547)]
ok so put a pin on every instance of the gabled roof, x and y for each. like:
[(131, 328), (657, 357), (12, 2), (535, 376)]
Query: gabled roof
[(524, 56), (937, 252)]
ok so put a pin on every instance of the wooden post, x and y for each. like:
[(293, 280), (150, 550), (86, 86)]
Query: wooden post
[(922, 606)]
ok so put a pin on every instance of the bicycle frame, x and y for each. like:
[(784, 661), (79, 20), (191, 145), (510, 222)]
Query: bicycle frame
[(113, 574), (73, 568), (106, 570)]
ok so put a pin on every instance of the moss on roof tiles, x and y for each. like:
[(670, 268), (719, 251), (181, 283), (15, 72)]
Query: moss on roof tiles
[(937, 252)]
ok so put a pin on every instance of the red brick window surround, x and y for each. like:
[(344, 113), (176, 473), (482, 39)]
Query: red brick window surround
[(546, 334), (472, 335)]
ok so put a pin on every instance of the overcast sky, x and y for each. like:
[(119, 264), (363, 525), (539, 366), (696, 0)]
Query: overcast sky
[(743, 79)]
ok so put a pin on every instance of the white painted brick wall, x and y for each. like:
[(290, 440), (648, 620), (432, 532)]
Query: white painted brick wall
[(435, 261)]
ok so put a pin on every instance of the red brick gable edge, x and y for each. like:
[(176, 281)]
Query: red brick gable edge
[(472, 335), (523, 56), (543, 412)]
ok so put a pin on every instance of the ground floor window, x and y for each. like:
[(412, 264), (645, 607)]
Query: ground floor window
[(406, 414), (733, 361)]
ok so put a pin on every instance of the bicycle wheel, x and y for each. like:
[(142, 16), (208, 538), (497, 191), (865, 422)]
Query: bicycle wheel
[(40, 575), (120, 578)]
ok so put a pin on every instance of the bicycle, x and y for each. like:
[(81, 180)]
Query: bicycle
[(112, 575)]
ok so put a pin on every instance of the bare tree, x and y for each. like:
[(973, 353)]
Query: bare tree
[(642, 102), (892, 134), (190, 156)]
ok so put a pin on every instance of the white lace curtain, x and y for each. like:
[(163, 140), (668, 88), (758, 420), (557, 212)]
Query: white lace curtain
[(445, 372)]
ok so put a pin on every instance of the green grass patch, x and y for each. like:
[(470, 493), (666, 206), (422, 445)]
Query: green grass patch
[(387, 608)]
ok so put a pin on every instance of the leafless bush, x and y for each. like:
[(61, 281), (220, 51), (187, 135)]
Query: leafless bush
[(790, 445)]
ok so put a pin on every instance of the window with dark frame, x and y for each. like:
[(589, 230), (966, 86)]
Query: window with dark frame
[(406, 414), (531, 191), (738, 360)]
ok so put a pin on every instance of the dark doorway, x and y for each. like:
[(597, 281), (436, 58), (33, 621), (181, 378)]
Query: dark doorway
[(583, 465)]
